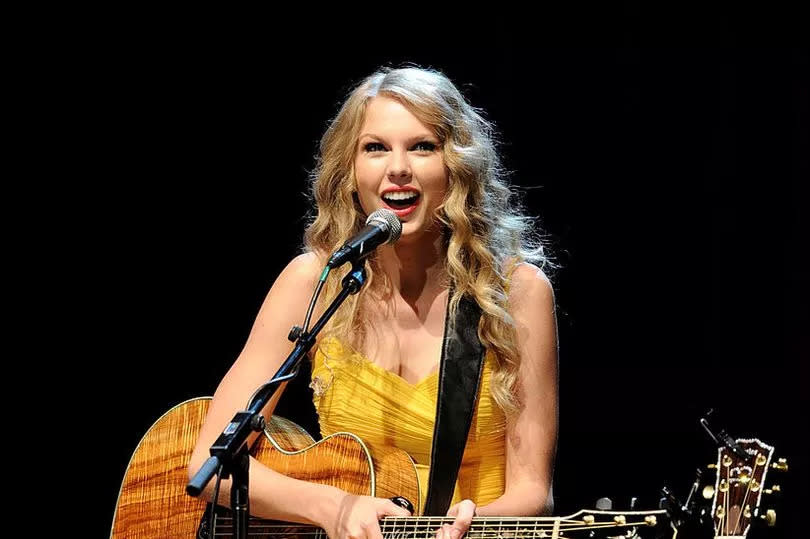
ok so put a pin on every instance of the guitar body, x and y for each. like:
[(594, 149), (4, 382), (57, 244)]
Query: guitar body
[(153, 502)]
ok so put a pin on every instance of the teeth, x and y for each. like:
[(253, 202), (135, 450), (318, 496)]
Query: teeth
[(402, 195)]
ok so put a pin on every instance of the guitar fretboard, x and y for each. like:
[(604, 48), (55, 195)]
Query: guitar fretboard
[(481, 527)]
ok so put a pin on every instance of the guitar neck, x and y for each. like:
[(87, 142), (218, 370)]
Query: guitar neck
[(583, 524)]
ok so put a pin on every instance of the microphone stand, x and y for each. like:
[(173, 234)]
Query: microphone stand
[(230, 450)]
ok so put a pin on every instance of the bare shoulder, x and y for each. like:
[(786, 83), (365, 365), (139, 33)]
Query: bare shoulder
[(530, 287), (285, 305), (532, 306), (293, 287), (301, 272), (306, 265)]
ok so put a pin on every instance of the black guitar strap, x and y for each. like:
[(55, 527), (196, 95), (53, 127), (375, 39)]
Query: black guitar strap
[(460, 371)]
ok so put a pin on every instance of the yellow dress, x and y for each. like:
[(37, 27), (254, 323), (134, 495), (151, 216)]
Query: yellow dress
[(356, 395)]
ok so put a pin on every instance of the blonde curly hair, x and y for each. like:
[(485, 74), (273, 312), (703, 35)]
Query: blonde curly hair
[(485, 233)]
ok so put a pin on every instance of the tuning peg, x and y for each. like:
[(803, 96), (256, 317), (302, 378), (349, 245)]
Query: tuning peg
[(712, 466), (769, 517), (708, 492), (780, 465), (776, 489)]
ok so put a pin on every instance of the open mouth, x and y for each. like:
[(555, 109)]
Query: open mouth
[(401, 200)]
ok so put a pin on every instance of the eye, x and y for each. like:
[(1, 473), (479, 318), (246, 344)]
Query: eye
[(374, 147), (425, 146)]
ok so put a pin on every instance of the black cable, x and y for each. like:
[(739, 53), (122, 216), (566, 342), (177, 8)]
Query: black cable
[(315, 298), (303, 329)]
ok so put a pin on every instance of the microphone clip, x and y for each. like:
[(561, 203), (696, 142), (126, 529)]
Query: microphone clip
[(722, 438)]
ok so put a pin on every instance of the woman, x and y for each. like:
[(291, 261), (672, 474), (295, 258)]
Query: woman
[(406, 140)]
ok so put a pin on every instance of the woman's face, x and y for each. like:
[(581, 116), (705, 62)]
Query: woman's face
[(399, 166)]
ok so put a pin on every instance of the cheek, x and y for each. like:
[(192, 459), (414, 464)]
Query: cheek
[(435, 180), (363, 178), (365, 186)]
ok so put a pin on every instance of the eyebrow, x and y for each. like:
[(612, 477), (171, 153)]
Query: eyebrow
[(412, 139)]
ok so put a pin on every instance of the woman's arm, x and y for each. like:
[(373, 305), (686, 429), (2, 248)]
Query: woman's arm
[(531, 437), (266, 347), (274, 495)]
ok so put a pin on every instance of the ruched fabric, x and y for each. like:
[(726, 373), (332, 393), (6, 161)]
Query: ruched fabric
[(353, 394)]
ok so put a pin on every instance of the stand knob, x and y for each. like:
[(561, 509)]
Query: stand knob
[(295, 332)]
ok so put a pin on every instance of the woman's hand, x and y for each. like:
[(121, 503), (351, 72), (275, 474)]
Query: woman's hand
[(464, 511), (358, 517)]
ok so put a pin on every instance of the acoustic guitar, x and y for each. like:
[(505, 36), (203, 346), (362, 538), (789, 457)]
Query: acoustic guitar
[(153, 503)]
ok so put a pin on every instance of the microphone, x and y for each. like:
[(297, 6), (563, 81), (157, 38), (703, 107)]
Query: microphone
[(382, 226)]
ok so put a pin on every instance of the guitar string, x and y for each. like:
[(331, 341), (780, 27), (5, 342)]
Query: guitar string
[(723, 518), (501, 525), (726, 502), (432, 532), (449, 519), (747, 492), (223, 523), (429, 525), (426, 533), (728, 498), (471, 533), (718, 526), (564, 524), (391, 528)]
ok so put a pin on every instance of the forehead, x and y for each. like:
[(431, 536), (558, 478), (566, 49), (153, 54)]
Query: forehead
[(387, 116)]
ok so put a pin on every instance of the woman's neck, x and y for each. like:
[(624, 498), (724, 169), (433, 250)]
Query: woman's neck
[(415, 267)]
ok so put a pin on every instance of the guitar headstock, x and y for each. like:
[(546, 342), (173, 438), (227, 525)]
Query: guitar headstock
[(742, 468), (596, 523)]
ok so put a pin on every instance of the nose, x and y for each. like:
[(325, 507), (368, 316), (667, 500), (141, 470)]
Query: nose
[(399, 167)]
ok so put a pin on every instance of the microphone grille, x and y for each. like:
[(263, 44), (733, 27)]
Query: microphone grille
[(388, 221)]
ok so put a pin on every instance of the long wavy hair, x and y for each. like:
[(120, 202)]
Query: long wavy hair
[(485, 232)]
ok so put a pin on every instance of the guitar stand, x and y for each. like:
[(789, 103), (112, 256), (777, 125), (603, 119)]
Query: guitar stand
[(240, 501)]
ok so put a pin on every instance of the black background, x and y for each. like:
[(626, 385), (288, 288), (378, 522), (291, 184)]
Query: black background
[(664, 152)]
